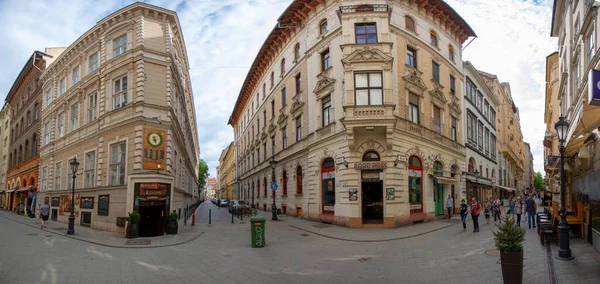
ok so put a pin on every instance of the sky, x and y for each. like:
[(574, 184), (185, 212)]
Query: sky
[(223, 36)]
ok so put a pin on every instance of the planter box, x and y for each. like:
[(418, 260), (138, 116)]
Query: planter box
[(596, 240)]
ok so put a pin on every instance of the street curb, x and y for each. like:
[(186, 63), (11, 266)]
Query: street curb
[(101, 244)]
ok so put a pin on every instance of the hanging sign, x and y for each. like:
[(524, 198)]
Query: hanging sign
[(594, 87), (154, 149)]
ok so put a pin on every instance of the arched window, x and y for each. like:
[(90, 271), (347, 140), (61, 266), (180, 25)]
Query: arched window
[(434, 39), (451, 53), (28, 117), (328, 185), (438, 168), (487, 172), (453, 170), (323, 26), (282, 67), (34, 145), (410, 23), (16, 131), (471, 165), (32, 181), (22, 124), (10, 160), (371, 156), (297, 51), (415, 185), (284, 182), (299, 180), (20, 156)]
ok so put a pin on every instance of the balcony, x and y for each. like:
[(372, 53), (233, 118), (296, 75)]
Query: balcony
[(551, 162)]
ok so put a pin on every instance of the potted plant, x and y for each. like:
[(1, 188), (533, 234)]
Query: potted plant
[(172, 225), (133, 220), (509, 240)]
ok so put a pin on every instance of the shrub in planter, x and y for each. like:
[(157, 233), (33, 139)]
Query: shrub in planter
[(509, 238), (133, 220), (172, 225)]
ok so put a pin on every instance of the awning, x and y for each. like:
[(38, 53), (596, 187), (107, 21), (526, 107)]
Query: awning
[(480, 180), (445, 180), (24, 188), (10, 190), (574, 145), (588, 119), (509, 189)]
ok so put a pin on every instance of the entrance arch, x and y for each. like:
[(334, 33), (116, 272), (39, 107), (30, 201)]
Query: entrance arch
[(328, 186), (415, 184), (372, 191)]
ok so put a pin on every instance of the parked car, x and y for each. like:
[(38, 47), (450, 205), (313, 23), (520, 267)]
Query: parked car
[(236, 204), (224, 203)]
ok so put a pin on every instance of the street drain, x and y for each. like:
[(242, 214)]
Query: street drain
[(32, 234), (138, 242), (48, 236), (494, 252), (304, 235)]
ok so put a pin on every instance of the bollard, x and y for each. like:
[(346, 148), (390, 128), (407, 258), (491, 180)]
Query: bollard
[(193, 216), (231, 217), (209, 216)]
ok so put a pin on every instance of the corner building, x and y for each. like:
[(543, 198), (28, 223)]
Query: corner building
[(119, 99), (360, 107)]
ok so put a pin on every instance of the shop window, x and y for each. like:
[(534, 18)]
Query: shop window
[(328, 185), (415, 187), (471, 165)]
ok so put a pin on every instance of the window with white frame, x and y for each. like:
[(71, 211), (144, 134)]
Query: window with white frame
[(590, 41), (93, 62), (60, 129), (413, 103), (453, 130), (58, 176), (62, 86), (44, 178), (119, 45), (48, 97), (92, 105), (487, 141), (90, 169), (74, 116), (326, 102), (480, 135), (46, 133), (75, 76), (120, 92), (368, 88), (299, 128), (117, 164)]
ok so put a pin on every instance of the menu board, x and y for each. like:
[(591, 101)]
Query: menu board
[(55, 201), (103, 201), (87, 202)]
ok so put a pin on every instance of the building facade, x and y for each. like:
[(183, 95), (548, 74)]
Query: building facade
[(358, 108), (551, 115), (119, 100), (226, 172), (210, 188), (4, 153), (529, 174), (479, 108), (576, 24)]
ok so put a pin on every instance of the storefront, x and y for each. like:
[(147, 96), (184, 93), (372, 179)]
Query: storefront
[(152, 202)]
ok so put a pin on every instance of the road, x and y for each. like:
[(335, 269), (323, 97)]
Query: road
[(223, 255)]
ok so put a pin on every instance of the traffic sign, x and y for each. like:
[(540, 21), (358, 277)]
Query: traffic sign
[(273, 186)]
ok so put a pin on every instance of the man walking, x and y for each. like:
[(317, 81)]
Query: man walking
[(531, 209), (45, 211), (463, 214), (475, 208), (449, 206)]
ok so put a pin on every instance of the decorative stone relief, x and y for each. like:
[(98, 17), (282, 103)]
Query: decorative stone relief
[(367, 54)]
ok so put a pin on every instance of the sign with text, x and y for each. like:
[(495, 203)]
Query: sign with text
[(154, 149), (370, 165), (55, 201), (594, 87), (103, 201), (153, 189), (87, 202)]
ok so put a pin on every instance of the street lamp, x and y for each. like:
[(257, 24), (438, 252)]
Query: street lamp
[(74, 166), (564, 250), (273, 164), (476, 172)]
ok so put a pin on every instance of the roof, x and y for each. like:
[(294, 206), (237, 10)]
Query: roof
[(23, 74), (211, 180)]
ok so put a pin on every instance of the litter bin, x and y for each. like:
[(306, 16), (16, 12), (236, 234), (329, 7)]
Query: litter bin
[(257, 229)]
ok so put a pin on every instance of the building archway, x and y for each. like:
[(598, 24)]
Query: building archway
[(372, 191)]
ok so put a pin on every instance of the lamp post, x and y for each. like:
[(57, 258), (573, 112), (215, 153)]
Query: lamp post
[(476, 172), (273, 164), (74, 166), (564, 250)]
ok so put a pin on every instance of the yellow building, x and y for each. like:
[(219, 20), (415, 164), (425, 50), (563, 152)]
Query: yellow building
[(551, 114), (226, 172), (359, 106)]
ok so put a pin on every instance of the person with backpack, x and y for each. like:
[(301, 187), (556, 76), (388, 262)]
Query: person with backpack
[(497, 210), (463, 214), (486, 211), (518, 210), (475, 208)]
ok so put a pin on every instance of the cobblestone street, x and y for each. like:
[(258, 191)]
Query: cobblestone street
[(222, 254)]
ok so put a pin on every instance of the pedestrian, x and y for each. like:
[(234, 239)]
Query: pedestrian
[(449, 204), (45, 211), (497, 210), (531, 209), (518, 210), (486, 211), (511, 206), (37, 213), (475, 208), (463, 214)]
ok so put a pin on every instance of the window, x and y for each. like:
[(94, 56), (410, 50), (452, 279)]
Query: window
[(328, 185), (577, 26), (368, 88), (299, 180), (44, 178), (120, 92), (415, 188), (453, 129), (480, 135), (74, 116), (298, 128), (48, 97), (119, 45), (60, 129), (325, 61), (409, 23), (471, 127), (413, 103), (282, 67), (451, 53), (298, 84), (264, 91), (283, 98), (486, 106), (433, 38), (92, 104), (93, 62), (272, 145), (452, 85), (323, 27), (437, 119), (265, 151), (493, 117), (365, 33), (272, 79), (591, 46), (296, 51), (90, 169), (411, 57), (471, 89), (284, 137), (117, 164), (265, 118), (479, 100), (284, 183), (435, 69), (62, 86), (487, 141), (326, 102), (75, 76), (272, 109), (46, 133), (58, 176), (577, 74)]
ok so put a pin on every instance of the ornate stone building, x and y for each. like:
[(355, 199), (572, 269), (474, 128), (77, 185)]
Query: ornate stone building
[(226, 172), (359, 105), (4, 153), (119, 100)]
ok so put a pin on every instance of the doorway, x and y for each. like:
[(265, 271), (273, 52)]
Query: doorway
[(372, 199), (438, 195), (152, 222)]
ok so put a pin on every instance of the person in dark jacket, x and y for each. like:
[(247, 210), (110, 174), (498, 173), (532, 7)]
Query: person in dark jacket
[(463, 214)]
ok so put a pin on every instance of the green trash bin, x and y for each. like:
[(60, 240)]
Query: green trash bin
[(257, 229)]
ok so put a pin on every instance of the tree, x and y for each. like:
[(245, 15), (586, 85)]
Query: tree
[(202, 175), (538, 181)]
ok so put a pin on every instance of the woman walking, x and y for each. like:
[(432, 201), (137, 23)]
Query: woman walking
[(519, 210), (463, 214), (511, 206), (487, 210), (497, 211)]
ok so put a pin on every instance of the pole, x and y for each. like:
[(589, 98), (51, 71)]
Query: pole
[(273, 206), (564, 250), (209, 216), (71, 229), (232, 217)]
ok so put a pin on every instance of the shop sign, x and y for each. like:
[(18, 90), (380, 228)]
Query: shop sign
[(414, 173), (370, 166), (371, 176), (154, 151), (153, 189), (594, 87), (328, 208), (87, 202), (103, 201), (390, 194), (415, 207), (328, 175)]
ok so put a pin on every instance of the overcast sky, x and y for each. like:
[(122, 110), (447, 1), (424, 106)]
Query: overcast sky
[(223, 36)]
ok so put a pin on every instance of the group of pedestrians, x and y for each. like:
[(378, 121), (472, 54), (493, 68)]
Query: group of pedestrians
[(494, 207)]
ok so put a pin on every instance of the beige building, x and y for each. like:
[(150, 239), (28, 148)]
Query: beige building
[(119, 100), (4, 153), (359, 105), (551, 114), (226, 172), (529, 172)]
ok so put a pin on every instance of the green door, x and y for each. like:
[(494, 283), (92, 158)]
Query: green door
[(438, 195)]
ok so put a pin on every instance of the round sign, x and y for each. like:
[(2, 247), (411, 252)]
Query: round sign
[(273, 186)]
